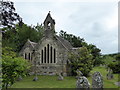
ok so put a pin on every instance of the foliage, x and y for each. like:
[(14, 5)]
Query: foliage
[(96, 54), (115, 67), (107, 59), (115, 64), (8, 15), (117, 57), (12, 67), (81, 60), (80, 42), (74, 40), (17, 37)]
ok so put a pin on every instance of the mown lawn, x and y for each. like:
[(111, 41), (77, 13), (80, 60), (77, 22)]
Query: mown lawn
[(68, 82)]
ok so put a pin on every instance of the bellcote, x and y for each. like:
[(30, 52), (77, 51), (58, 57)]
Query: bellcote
[(49, 23)]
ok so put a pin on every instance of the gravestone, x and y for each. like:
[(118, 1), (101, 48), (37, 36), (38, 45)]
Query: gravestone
[(97, 81), (83, 82), (60, 77), (19, 78), (117, 83), (79, 74), (35, 78), (109, 74)]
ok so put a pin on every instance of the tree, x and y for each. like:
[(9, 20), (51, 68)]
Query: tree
[(117, 57), (82, 60), (8, 15), (115, 64), (12, 67), (96, 54), (17, 37), (80, 42), (74, 40)]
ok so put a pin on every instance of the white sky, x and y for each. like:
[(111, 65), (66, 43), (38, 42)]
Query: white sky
[(94, 20)]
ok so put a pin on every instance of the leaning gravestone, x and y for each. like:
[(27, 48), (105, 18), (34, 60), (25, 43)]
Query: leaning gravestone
[(97, 81), (60, 77), (109, 74), (19, 78), (35, 78), (83, 82), (79, 74)]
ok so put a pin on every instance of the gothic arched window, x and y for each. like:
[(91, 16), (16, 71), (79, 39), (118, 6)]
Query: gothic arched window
[(48, 53), (25, 56), (54, 55), (29, 57), (42, 56), (51, 54)]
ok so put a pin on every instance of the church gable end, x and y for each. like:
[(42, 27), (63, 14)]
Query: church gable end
[(27, 50), (51, 52)]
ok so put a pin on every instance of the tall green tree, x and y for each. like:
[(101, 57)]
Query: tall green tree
[(82, 60), (17, 37)]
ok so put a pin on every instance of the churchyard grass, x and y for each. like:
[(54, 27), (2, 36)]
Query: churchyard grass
[(68, 82)]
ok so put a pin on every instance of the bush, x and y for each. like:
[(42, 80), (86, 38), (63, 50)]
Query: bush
[(115, 67), (81, 60), (12, 67)]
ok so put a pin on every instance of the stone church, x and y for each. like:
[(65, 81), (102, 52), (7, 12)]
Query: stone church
[(50, 55)]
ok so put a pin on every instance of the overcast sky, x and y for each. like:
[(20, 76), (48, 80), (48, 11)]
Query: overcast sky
[(95, 21)]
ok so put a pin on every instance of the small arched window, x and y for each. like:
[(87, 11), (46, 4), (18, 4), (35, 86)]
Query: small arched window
[(42, 56), (25, 56), (54, 56), (29, 57)]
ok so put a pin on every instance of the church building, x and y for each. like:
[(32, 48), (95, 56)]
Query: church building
[(50, 55)]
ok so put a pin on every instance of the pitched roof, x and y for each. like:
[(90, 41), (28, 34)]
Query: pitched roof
[(33, 44), (64, 42)]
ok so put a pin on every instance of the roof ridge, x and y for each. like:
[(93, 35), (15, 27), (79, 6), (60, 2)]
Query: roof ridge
[(62, 43)]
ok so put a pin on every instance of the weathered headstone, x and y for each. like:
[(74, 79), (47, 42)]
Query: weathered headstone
[(97, 81), (117, 83), (83, 82), (35, 78), (60, 77), (19, 78), (109, 74), (79, 74)]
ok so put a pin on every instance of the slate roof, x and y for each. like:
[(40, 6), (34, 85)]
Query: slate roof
[(64, 42), (29, 44)]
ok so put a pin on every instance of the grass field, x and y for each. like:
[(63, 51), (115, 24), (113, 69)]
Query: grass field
[(68, 82)]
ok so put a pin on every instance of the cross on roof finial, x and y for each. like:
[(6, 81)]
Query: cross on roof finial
[(49, 11)]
